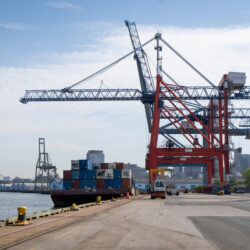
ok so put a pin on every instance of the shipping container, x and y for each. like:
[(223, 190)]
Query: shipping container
[(92, 183), (120, 165), (126, 173), (109, 174), (126, 183), (83, 175), (75, 184), (67, 174), (96, 166), (75, 174), (109, 183), (91, 174), (117, 183), (85, 164), (104, 165), (83, 184), (74, 164), (100, 174), (117, 173), (100, 183), (111, 165), (66, 184)]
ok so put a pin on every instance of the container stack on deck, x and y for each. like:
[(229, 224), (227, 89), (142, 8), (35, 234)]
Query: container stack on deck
[(85, 181), (84, 175)]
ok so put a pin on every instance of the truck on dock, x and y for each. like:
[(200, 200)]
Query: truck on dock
[(158, 186)]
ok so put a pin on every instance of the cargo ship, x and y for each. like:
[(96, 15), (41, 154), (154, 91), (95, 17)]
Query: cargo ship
[(85, 181)]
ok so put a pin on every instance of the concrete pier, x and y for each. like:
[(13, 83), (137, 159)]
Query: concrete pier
[(188, 221)]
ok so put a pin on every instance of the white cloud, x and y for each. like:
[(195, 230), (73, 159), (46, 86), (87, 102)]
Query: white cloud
[(119, 128), (15, 26), (62, 5)]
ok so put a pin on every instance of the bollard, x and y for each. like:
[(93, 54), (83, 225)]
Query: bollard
[(127, 195), (99, 200), (74, 207), (113, 199), (21, 220)]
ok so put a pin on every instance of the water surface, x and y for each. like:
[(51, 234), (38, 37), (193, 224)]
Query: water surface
[(34, 203)]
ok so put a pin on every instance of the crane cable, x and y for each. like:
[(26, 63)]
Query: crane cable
[(67, 89), (188, 63)]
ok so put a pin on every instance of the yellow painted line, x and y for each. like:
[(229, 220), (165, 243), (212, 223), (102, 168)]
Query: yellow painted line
[(70, 231)]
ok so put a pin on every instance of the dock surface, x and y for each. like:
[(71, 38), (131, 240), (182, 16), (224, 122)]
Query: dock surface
[(188, 221)]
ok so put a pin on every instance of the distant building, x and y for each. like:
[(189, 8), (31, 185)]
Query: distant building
[(241, 161), (140, 176), (96, 156)]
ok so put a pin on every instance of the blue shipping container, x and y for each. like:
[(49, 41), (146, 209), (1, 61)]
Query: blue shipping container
[(83, 184), (85, 164), (117, 173), (92, 183), (108, 183), (75, 174), (91, 174), (67, 185), (83, 174), (117, 183)]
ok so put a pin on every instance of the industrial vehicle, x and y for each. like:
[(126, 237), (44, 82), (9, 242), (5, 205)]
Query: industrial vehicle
[(158, 187)]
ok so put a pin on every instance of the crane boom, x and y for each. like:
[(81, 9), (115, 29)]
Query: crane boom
[(145, 76), (183, 92)]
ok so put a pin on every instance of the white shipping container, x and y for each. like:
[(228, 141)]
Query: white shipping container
[(109, 174), (74, 164), (96, 166), (126, 173), (100, 174), (111, 165)]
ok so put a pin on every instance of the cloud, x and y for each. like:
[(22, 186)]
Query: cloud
[(62, 5), (119, 128), (15, 26)]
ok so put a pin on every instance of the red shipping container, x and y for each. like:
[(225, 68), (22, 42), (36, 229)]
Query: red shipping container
[(104, 165), (120, 165), (126, 183), (100, 183), (75, 184), (67, 174)]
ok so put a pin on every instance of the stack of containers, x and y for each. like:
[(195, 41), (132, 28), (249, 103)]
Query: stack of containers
[(67, 179), (101, 176), (87, 175)]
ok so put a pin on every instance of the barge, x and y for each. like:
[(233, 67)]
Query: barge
[(62, 198)]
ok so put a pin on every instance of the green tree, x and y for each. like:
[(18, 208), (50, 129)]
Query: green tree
[(246, 175)]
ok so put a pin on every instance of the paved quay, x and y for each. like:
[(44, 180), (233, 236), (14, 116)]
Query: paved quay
[(188, 221)]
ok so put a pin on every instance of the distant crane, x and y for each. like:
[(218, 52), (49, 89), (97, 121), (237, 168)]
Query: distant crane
[(173, 103), (45, 171)]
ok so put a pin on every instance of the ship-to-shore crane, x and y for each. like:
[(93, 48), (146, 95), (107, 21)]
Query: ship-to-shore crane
[(168, 106)]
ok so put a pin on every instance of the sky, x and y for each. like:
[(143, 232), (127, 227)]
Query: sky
[(53, 44)]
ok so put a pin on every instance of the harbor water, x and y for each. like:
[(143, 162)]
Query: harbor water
[(34, 202)]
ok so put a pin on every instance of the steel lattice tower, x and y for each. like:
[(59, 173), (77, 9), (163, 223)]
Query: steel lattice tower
[(45, 171)]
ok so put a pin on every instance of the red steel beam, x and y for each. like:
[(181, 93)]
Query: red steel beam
[(195, 117), (181, 127)]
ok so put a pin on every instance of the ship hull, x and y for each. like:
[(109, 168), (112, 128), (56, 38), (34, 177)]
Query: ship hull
[(64, 198)]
